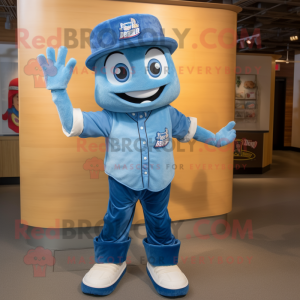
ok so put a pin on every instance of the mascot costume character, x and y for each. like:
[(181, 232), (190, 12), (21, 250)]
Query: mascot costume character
[(135, 82), (12, 113)]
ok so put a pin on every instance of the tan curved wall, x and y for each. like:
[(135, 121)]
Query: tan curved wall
[(54, 184)]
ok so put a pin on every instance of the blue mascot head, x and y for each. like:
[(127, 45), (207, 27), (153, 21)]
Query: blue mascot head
[(134, 70)]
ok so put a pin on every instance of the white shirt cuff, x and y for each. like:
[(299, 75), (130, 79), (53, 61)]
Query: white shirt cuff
[(191, 132), (77, 123)]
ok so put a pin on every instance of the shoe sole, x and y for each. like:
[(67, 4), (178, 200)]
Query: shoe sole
[(101, 291), (167, 292)]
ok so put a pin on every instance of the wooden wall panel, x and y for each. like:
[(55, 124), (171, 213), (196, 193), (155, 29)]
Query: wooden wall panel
[(287, 71), (268, 137), (8, 36), (54, 184), (9, 156)]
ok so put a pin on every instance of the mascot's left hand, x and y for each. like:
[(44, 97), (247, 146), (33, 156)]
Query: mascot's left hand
[(226, 135)]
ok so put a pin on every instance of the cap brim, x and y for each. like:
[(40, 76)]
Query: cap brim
[(170, 43)]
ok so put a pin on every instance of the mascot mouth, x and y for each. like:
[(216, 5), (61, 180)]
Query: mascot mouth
[(145, 96)]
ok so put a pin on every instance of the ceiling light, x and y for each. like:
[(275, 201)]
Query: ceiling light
[(294, 38), (248, 42)]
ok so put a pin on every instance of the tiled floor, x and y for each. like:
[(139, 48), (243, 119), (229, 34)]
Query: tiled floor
[(266, 266)]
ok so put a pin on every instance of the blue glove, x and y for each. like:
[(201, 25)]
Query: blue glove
[(222, 138), (226, 135), (57, 77)]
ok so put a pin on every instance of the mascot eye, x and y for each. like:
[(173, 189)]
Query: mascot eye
[(156, 64), (154, 67), (117, 69), (121, 72)]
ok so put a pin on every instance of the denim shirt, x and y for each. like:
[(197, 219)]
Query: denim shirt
[(139, 151)]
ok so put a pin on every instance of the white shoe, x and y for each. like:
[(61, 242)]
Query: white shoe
[(102, 279), (168, 280)]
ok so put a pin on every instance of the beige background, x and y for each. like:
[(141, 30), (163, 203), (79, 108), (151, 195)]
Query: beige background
[(54, 184)]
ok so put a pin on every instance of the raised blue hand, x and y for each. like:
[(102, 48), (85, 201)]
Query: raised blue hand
[(57, 77)]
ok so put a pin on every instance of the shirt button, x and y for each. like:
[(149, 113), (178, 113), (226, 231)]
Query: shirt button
[(144, 142), (142, 127), (145, 173), (133, 114), (141, 116), (145, 157)]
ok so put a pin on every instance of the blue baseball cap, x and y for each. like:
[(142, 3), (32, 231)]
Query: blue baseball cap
[(127, 31)]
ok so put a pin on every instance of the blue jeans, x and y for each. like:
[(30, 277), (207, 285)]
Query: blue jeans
[(112, 245)]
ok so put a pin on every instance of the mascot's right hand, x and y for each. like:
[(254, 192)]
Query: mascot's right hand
[(57, 75)]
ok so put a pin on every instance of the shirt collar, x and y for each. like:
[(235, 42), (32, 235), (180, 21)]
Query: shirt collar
[(141, 115)]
